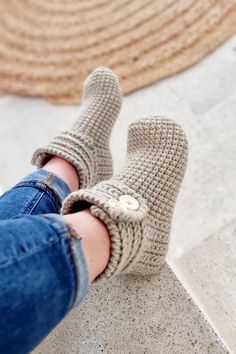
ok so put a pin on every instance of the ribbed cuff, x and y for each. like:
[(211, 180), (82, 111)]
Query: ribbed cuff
[(76, 148)]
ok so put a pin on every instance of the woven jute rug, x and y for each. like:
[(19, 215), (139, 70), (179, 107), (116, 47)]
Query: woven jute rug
[(48, 47)]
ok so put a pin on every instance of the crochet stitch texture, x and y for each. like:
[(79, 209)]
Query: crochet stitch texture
[(86, 144), (137, 204)]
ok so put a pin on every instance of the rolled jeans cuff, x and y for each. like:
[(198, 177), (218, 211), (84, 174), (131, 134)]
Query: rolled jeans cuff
[(80, 263), (50, 180)]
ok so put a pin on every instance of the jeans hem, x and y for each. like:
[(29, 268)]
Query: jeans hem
[(79, 260), (49, 180)]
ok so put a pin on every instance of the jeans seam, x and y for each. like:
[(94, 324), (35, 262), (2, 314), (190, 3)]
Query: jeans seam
[(30, 206), (30, 210), (51, 179), (75, 270), (44, 189), (68, 233), (43, 184)]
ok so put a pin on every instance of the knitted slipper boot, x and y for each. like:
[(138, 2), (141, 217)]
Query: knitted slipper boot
[(86, 144), (137, 204)]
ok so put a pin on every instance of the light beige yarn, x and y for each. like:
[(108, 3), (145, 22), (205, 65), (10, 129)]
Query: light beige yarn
[(86, 144), (137, 204)]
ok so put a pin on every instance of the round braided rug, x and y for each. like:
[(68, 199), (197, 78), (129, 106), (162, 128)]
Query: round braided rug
[(48, 47)]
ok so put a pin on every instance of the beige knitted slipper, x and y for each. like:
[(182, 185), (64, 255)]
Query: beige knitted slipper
[(86, 144), (137, 204)]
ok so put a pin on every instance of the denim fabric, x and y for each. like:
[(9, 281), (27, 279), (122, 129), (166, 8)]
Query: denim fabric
[(43, 271), (40, 192)]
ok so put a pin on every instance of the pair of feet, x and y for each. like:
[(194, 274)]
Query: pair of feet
[(137, 204)]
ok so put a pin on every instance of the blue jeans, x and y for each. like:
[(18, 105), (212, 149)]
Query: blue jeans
[(43, 271)]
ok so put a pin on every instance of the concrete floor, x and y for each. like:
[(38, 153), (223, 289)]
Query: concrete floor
[(203, 99), (133, 315)]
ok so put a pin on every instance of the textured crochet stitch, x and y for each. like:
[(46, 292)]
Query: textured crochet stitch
[(86, 144), (152, 175)]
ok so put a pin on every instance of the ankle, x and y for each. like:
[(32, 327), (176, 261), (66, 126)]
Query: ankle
[(95, 240), (65, 170)]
